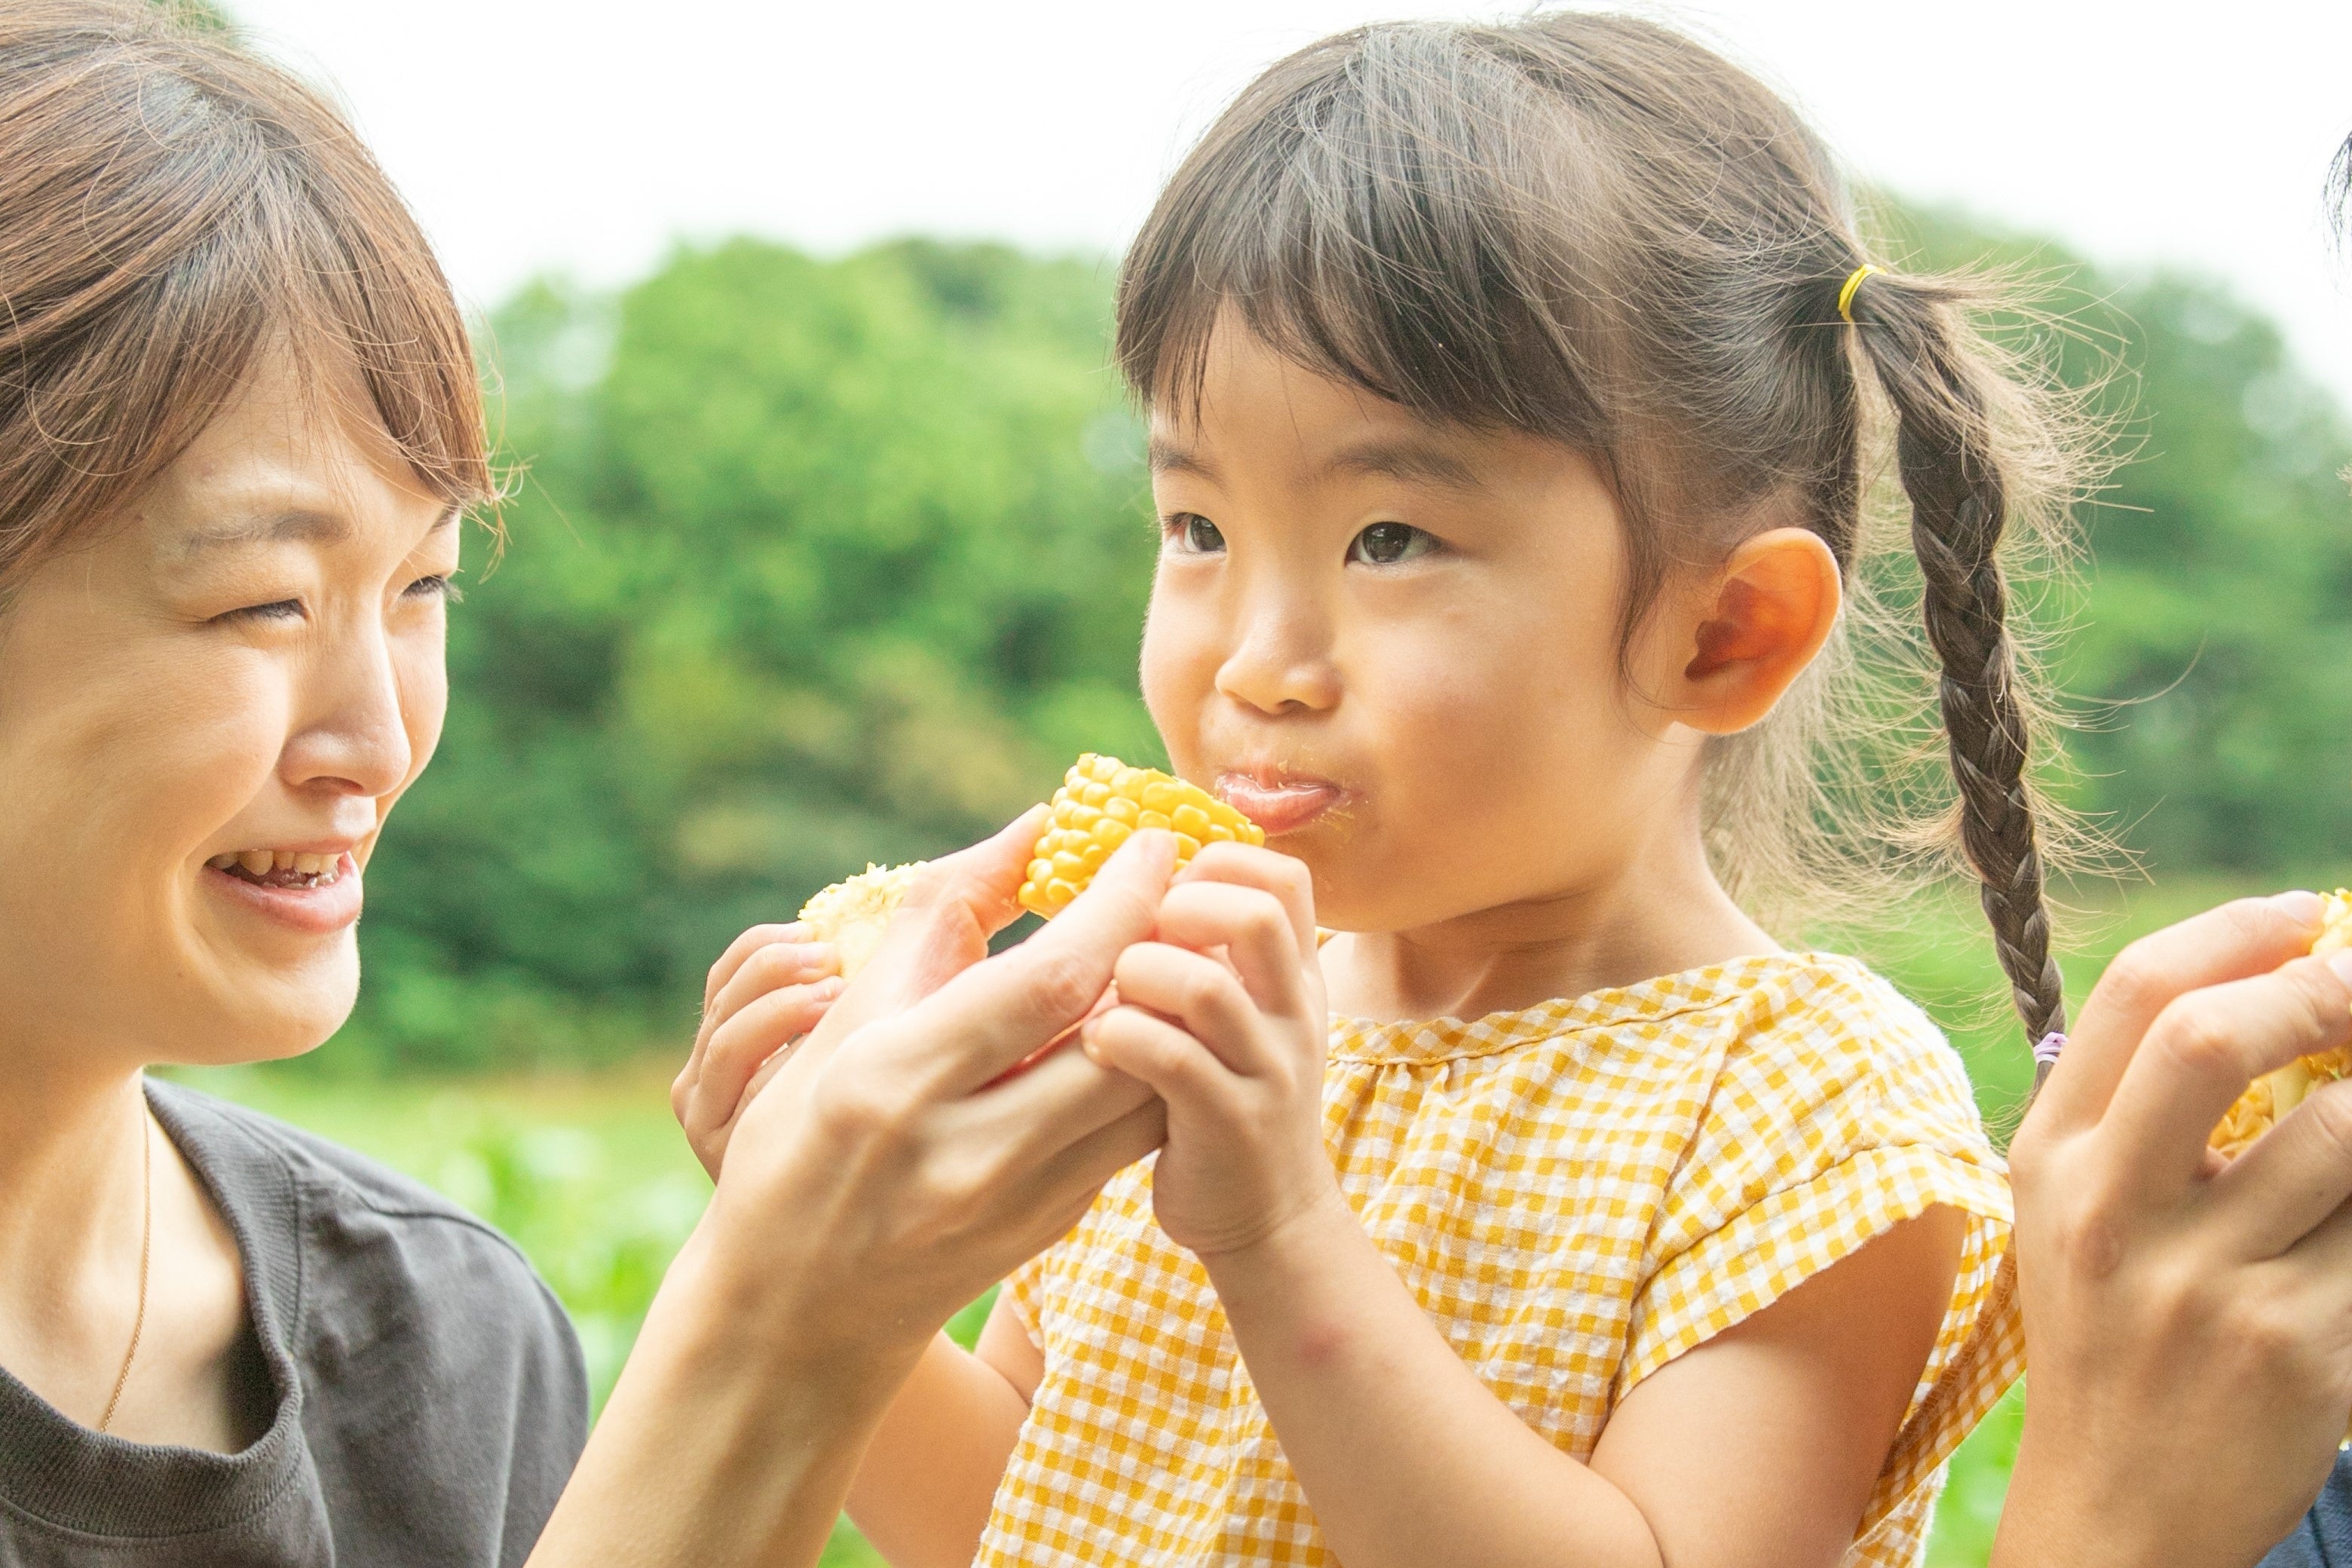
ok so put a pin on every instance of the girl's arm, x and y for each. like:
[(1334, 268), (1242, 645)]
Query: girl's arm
[(928, 1478), (1760, 1447), (2190, 1322)]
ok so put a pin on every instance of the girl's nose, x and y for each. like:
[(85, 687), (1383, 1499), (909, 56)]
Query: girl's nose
[(1281, 665)]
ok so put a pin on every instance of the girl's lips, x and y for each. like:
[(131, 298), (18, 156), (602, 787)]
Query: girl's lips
[(320, 911), (1281, 805)]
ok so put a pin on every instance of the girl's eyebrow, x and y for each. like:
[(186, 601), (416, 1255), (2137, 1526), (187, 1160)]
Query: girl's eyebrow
[(1167, 458), (1414, 461)]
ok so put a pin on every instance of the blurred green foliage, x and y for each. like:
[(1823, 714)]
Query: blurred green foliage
[(819, 562), (2211, 654), (810, 564)]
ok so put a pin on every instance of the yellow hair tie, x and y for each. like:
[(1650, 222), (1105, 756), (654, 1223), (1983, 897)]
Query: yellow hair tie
[(1846, 295)]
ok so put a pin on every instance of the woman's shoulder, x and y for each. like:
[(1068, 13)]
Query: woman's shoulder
[(349, 1251)]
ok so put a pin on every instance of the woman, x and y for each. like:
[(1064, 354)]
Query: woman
[(239, 432)]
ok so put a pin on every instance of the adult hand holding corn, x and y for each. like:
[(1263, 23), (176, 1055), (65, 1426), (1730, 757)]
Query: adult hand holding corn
[(2188, 1316), (886, 1171)]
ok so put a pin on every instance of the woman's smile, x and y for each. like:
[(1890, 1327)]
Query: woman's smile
[(314, 889)]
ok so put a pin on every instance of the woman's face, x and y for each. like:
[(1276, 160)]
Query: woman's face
[(208, 706)]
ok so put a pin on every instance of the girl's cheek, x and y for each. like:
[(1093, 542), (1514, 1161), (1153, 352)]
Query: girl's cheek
[(1178, 669)]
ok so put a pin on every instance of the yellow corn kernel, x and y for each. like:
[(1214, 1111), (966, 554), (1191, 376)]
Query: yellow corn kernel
[(2275, 1094), (1101, 801), (853, 915)]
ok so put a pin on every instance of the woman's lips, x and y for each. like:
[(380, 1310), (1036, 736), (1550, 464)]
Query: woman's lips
[(1284, 804), (320, 911)]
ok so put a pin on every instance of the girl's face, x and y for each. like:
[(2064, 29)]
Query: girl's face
[(206, 710), (1395, 644)]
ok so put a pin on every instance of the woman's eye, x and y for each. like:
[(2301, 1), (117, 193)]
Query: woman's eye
[(1386, 543), (1193, 534), (276, 610)]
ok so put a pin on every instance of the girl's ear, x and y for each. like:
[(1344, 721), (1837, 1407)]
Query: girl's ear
[(1758, 624)]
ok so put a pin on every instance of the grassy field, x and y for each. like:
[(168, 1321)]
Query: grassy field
[(589, 1176)]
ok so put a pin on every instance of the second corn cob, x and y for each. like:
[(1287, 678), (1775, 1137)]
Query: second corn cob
[(2272, 1095)]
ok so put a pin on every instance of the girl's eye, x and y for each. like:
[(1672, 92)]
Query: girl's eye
[(1387, 543), (1192, 534), (438, 586)]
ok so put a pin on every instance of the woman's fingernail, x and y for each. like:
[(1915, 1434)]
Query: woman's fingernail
[(2299, 905), (2341, 962)]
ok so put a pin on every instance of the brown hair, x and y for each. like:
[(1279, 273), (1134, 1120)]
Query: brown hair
[(169, 206), (1594, 229)]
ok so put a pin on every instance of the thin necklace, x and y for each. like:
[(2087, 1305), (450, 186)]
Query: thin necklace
[(146, 1235)]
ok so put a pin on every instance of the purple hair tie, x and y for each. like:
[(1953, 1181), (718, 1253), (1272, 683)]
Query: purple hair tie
[(2046, 1055)]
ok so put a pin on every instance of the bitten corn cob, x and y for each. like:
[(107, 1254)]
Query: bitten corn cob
[(854, 914), (2272, 1095), (1101, 801)]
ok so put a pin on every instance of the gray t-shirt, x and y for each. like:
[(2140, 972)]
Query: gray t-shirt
[(424, 1393)]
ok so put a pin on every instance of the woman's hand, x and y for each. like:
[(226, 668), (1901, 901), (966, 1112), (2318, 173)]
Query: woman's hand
[(773, 984), (891, 1167), (2188, 1320), (1223, 1015)]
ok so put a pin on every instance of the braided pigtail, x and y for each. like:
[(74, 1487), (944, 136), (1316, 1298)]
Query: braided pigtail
[(1948, 453)]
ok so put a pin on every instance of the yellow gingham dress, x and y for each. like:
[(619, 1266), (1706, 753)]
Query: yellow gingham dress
[(1577, 1193)]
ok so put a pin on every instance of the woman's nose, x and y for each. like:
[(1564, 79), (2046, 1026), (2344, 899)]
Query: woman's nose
[(353, 730)]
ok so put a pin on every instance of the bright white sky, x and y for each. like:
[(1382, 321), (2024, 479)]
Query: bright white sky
[(585, 134)]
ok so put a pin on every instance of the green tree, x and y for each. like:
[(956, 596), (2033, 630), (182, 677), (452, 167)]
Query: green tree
[(811, 563)]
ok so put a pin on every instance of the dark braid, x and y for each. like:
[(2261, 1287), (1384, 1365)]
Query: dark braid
[(1960, 506)]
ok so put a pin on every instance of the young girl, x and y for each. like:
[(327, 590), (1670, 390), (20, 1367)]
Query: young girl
[(1509, 389)]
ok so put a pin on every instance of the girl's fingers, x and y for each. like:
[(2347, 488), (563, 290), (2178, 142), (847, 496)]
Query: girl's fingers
[(765, 1026), (1258, 934), (1178, 1068), (1250, 866), (996, 1014), (1199, 993), (2200, 1055), (766, 969), (743, 947), (2294, 1177), (2239, 940)]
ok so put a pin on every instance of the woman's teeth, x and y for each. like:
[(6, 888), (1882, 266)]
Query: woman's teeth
[(281, 869)]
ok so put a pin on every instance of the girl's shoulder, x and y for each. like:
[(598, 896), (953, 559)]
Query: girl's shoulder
[(1760, 1007)]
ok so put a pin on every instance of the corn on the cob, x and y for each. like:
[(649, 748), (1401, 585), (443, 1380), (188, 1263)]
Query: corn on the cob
[(854, 914), (1101, 801), (2272, 1095)]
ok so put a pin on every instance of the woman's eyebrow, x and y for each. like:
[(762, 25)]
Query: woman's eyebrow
[(321, 527)]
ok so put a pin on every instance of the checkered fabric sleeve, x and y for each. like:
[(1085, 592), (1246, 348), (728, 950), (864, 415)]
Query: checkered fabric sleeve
[(1576, 1194), (1840, 1115)]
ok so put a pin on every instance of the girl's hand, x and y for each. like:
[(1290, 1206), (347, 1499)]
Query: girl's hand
[(773, 985), (2188, 1320), (1223, 1015)]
